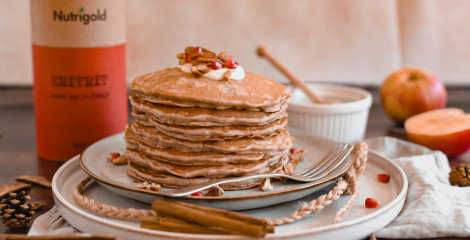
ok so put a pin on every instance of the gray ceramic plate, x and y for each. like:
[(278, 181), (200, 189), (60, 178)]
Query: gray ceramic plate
[(93, 161)]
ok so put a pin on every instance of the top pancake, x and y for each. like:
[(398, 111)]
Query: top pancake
[(174, 87), (196, 116)]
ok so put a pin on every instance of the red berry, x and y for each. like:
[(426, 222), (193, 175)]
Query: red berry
[(383, 177), (372, 203), (197, 50), (231, 62), (238, 64), (197, 194), (113, 155), (188, 57), (293, 150), (215, 65)]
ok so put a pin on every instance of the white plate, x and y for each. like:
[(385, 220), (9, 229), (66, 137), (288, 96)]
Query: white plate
[(358, 223), (93, 161)]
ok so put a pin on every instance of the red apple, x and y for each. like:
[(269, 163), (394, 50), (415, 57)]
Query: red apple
[(447, 130), (410, 91)]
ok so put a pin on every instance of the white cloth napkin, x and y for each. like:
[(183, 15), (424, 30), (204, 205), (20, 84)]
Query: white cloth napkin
[(51, 223), (433, 207)]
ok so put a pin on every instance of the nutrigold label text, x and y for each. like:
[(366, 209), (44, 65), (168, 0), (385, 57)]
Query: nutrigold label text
[(81, 16)]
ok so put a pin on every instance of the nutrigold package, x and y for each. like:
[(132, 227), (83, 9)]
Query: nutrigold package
[(79, 73)]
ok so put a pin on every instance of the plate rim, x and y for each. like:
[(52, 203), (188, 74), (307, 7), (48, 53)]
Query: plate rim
[(101, 219), (400, 197), (261, 194)]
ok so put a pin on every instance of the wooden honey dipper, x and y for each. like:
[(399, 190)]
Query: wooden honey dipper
[(263, 52)]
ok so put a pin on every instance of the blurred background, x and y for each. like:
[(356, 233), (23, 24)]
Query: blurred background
[(356, 42)]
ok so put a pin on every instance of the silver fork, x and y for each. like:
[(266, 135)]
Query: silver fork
[(335, 158)]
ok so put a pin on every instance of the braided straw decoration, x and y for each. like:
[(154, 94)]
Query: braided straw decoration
[(352, 181), (104, 209), (359, 157), (313, 206), (359, 164), (348, 183)]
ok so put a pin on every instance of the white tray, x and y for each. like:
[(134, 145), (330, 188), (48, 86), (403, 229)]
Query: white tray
[(359, 223)]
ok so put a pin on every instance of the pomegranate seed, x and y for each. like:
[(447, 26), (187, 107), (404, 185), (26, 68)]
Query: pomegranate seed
[(197, 50), (188, 57), (238, 64), (383, 177), (372, 203), (293, 150), (215, 65), (113, 155), (231, 62), (197, 194)]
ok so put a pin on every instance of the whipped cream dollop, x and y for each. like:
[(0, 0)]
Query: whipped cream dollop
[(237, 73)]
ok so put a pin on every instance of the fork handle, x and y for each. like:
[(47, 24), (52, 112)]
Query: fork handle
[(205, 185)]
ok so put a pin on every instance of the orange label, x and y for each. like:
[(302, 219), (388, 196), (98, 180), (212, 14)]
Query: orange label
[(80, 96)]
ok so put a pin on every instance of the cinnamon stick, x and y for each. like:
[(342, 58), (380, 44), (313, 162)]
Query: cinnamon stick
[(54, 237), (233, 222), (170, 224), (38, 180)]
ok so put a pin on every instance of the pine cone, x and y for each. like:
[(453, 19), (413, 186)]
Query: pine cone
[(15, 210), (460, 175)]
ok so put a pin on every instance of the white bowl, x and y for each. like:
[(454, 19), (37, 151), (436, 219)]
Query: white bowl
[(345, 121)]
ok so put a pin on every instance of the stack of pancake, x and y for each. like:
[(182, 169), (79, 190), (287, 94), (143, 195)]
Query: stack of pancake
[(189, 129)]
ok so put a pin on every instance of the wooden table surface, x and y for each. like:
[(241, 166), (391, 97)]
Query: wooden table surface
[(18, 149)]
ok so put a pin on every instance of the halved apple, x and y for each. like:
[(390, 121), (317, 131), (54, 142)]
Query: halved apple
[(447, 130)]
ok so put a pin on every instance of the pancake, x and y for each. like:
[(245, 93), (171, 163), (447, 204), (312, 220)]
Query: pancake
[(172, 181), (196, 116), (173, 87), (151, 137), (187, 158), (186, 171), (207, 162), (219, 133)]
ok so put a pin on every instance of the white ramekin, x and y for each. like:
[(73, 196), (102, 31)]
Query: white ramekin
[(345, 121)]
